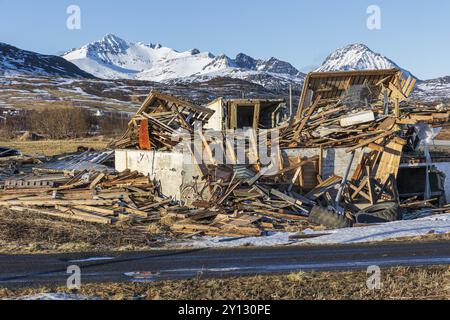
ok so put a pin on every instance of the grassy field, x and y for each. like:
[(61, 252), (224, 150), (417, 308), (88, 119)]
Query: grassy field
[(396, 283), (54, 147)]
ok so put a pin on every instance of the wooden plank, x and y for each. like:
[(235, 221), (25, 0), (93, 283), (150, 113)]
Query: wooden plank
[(253, 156), (357, 190), (323, 187), (101, 211), (71, 216), (280, 215), (406, 85), (206, 147), (311, 110), (360, 192), (375, 147), (411, 87), (55, 202), (231, 155), (370, 186), (396, 93), (97, 180), (321, 155), (368, 141), (390, 161), (84, 215), (256, 117), (357, 118), (136, 212)]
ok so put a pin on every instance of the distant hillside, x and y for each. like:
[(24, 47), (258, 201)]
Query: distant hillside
[(15, 61)]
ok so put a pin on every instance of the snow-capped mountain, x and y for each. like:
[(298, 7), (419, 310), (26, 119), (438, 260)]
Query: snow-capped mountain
[(355, 57), (115, 58), (433, 90), (15, 61)]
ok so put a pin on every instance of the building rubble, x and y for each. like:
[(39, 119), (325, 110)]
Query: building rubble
[(345, 158)]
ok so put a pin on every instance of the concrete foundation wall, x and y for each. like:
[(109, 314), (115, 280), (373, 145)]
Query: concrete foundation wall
[(171, 169)]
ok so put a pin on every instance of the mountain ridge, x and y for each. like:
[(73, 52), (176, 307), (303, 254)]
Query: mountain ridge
[(15, 61), (154, 62), (115, 58), (358, 56)]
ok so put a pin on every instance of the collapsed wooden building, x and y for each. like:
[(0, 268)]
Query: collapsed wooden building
[(346, 156), (352, 139)]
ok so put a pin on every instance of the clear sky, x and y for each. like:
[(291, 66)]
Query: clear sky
[(414, 34)]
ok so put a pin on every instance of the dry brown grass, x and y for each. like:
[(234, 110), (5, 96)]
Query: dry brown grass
[(54, 147), (397, 283), (22, 233)]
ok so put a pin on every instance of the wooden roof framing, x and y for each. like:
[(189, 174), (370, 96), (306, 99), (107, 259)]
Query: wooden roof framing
[(159, 102), (332, 85), (163, 114)]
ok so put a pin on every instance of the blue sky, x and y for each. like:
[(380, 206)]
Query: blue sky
[(415, 34)]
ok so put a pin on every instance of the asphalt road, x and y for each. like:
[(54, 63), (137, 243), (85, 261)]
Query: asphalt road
[(38, 270)]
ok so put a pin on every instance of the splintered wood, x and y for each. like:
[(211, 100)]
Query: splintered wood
[(343, 109), (390, 160), (158, 119)]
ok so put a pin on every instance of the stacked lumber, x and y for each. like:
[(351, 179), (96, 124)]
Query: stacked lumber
[(87, 196)]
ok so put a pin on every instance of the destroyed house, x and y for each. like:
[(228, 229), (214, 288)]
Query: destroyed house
[(353, 142), (367, 112), (159, 117), (355, 87), (356, 152), (148, 144), (246, 113)]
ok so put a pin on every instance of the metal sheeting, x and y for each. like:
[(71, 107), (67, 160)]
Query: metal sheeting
[(89, 160)]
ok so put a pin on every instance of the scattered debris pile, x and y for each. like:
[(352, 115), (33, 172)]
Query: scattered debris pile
[(88, 196), (349, 109), (361, 110), (101, 197)]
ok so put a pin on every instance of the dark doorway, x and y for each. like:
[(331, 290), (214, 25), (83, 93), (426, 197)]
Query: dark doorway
[(245, 116)]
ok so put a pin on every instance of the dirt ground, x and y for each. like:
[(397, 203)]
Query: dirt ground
[(396, 283), (54, 147)]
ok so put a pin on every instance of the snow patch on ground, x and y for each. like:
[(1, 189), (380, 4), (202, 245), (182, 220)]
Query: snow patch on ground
[(272, 239), (437, 224), (54, 297)]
